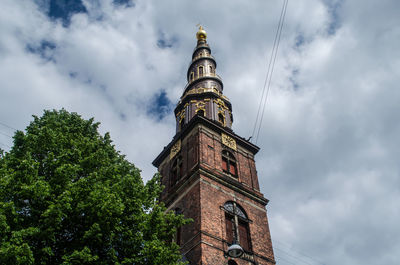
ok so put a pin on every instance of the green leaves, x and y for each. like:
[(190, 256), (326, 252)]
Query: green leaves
[(68, 197)]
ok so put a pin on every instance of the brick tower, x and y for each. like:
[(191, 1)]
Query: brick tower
[(210, 175)]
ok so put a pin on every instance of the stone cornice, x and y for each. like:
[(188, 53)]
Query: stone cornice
[(197, 120)]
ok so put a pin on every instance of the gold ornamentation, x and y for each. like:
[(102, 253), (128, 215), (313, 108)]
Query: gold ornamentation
[(228, 141), (204, 90), (221, 104), (222, 113), (201, 34), (181, 115), (201, 106), (175, 149)]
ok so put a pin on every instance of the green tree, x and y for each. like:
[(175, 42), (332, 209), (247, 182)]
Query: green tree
[(68, 197)]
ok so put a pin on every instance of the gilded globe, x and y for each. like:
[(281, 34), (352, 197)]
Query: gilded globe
[(201, 34)]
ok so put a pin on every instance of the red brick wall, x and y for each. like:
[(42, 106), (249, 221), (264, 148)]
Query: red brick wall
[(202, 195)]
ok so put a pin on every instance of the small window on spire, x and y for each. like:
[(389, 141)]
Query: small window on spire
[(211, 69), (201, 70), (191, 76)]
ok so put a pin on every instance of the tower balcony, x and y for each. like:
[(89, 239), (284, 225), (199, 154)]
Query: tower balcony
[(205, 76), (203, 90), (205, 56)]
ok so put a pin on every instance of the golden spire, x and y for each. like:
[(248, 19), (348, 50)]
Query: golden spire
[(201, 34)]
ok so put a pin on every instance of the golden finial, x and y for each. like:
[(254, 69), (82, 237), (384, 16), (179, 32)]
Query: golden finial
[(201, 34)]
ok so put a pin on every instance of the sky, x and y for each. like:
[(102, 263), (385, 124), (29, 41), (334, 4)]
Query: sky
[(330, 138)]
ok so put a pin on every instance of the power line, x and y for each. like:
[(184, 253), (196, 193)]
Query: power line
[(293, 256), (6, 145), (6, 135), (298, 251), (270, 70), (279, 257), (279, 32), (8, 126), (267, 74)]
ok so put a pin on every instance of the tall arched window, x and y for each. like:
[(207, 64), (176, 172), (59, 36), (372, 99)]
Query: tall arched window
[(176, 170), (237, 225), (229, 163)]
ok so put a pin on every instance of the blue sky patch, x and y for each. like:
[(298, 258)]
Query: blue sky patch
[(125, 3), (163, 42), (159, 106), (299, 41), (293, 79), (45, 49), (333, 10), (64, 9)]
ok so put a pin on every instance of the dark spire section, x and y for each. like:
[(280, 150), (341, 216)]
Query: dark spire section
[(203, 93)]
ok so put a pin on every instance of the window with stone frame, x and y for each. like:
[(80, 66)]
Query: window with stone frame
[(176, 170), (237, 225), (229, 163)]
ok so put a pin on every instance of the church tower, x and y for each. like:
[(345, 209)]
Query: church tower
[(209, 175)]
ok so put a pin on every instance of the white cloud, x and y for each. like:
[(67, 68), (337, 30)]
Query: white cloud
[(329, 141)]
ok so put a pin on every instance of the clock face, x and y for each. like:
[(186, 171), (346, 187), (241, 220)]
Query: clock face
[(228, 141)]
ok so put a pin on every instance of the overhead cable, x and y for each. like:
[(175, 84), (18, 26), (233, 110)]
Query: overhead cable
[(268, 77)]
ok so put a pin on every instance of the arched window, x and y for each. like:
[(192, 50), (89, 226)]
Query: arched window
[(237, 225), (229, 163), (211, 69), (191, 76), (176, 170)]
